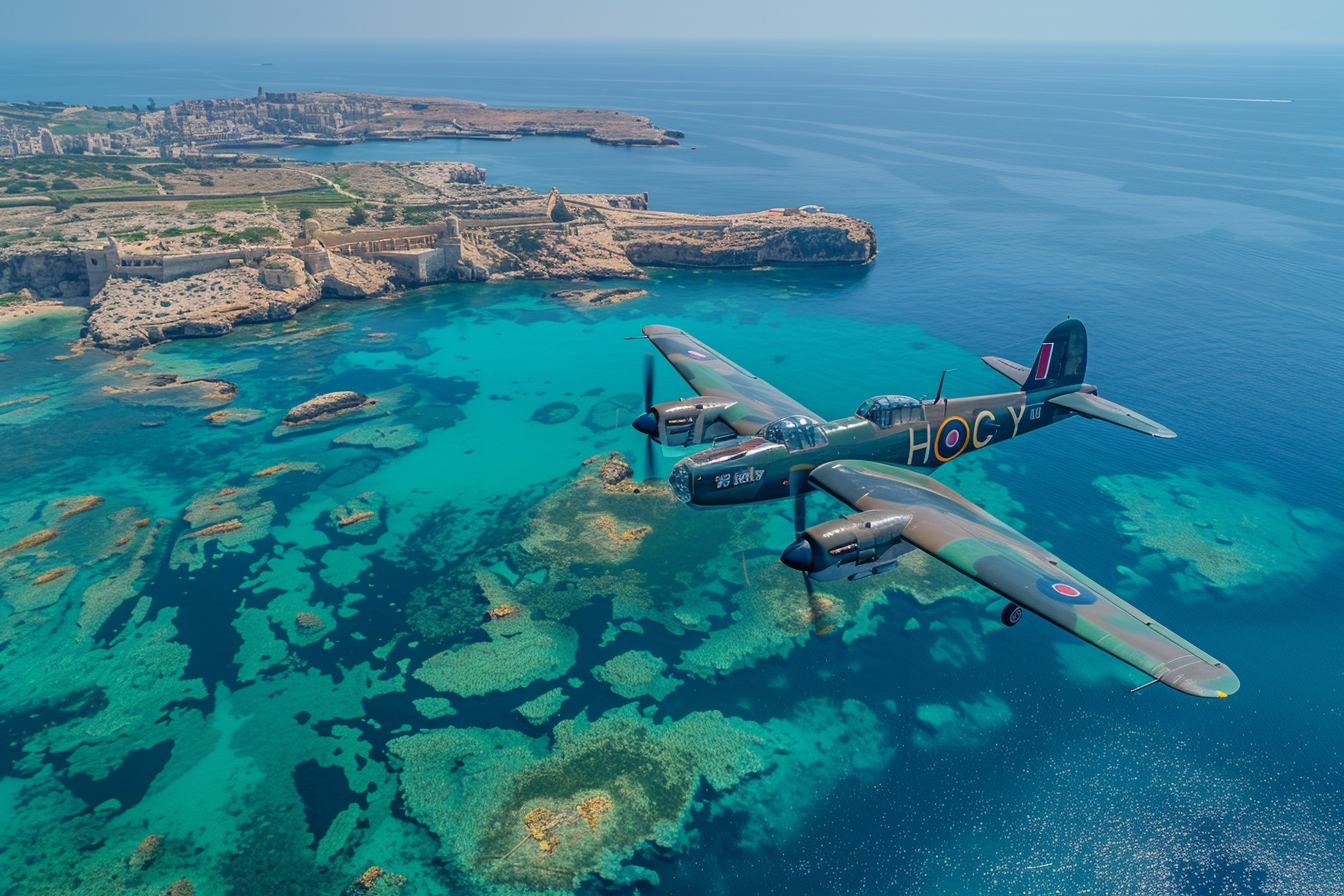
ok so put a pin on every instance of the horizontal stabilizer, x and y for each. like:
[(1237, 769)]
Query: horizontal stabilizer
[(1011, 369), (1087, 404)]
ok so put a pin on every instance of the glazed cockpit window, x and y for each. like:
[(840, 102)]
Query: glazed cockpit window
[(794, 433), (885, 411)]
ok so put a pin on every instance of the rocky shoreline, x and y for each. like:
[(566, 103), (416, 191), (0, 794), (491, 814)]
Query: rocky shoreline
[(191, 248)]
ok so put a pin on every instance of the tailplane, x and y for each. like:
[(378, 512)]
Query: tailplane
[(1060, 362)]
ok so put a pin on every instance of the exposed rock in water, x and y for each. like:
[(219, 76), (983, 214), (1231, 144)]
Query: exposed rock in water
[(171, 390), (594, 298), (146, 852), (614, 472), (324, 407), (232, 415), (309, 621)]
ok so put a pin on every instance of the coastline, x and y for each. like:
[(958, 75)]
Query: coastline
[(196, 242)]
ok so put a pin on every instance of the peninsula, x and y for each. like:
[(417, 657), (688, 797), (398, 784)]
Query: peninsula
[(196, 240), (295, 119)]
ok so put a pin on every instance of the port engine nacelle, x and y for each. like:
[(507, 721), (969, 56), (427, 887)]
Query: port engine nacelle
[(680, 424), (851, 547)]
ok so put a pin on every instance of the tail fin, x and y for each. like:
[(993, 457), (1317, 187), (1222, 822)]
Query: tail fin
[(1061, 359)]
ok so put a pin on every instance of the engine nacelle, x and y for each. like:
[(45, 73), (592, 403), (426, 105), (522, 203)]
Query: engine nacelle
[(680, 424), (851, 547)]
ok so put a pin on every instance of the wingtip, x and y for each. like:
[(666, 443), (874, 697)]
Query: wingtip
[(1219, 682)]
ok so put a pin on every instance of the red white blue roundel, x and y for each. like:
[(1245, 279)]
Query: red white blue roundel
[(1065, 592), (699, 356), (952, 438)]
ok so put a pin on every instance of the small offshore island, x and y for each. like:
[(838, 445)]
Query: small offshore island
[(168, 224)]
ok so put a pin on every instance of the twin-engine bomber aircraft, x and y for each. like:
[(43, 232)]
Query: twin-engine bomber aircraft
[(777, 448)]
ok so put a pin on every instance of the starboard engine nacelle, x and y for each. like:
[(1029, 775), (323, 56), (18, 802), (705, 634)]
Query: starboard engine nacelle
[(680, 424), (851, 547)]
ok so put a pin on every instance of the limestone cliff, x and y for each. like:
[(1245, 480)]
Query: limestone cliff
[(763, 238), (130, 314), (48, 273)]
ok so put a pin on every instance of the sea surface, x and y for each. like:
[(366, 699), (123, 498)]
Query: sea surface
[(1186, 203)]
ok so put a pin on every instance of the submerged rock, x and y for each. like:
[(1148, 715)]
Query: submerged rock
[(1218, 529), (555, 412), (325, 407)]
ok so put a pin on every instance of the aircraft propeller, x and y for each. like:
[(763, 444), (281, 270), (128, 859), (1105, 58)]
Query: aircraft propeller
[(797, 479), (647, 423)]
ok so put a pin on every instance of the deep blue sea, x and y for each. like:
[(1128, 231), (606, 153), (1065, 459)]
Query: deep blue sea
[(1186, 203)]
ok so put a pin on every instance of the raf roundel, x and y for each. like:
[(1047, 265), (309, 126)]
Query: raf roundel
[(699, 356), (1065, 592), (952, 438)]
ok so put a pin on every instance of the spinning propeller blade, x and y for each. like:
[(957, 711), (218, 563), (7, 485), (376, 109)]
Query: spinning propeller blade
[(648, 380), (797, 479), (647, 423)]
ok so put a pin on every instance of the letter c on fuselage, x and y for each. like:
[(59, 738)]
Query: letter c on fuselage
[(975, 432)]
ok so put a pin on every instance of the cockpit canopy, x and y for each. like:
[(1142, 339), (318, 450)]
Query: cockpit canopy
[(885, 411), (795, 433)]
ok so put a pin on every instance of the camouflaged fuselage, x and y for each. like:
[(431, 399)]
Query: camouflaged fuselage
[(759, 470)]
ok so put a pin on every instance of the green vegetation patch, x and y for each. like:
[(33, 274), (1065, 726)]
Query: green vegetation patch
[(91, 121), (310, 199), (98, 193), (109, 167), (250, 235), (184, 231)]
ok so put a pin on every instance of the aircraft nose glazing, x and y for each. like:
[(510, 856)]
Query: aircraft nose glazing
[(646, 423), (798, 555), (680, 480)]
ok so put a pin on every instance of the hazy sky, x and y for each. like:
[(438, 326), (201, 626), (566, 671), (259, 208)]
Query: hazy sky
[(1125, 21)]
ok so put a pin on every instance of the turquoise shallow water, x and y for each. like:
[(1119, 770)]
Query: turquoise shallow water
[(919, 747)]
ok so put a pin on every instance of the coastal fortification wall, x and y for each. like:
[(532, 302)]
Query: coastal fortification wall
[(101, 265), (425, 253)]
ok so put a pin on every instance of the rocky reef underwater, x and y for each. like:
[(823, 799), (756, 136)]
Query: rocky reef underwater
[(439, 632)]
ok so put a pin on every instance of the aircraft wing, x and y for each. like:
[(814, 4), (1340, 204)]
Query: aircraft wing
[(710, 373), (968, 539)]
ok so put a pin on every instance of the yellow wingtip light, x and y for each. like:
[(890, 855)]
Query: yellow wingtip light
[(1222, 695)]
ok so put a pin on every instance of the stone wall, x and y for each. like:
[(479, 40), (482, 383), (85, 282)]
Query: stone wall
[(100, 265)]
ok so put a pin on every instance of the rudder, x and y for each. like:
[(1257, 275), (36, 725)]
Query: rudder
[(1061, 360)]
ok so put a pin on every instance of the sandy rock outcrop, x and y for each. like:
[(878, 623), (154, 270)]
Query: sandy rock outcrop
[(171, 390), (585, 252), (326, 407), (353, 278), (444, 174), (131, 314), (596, 298), (762, 238), (48, 273)]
